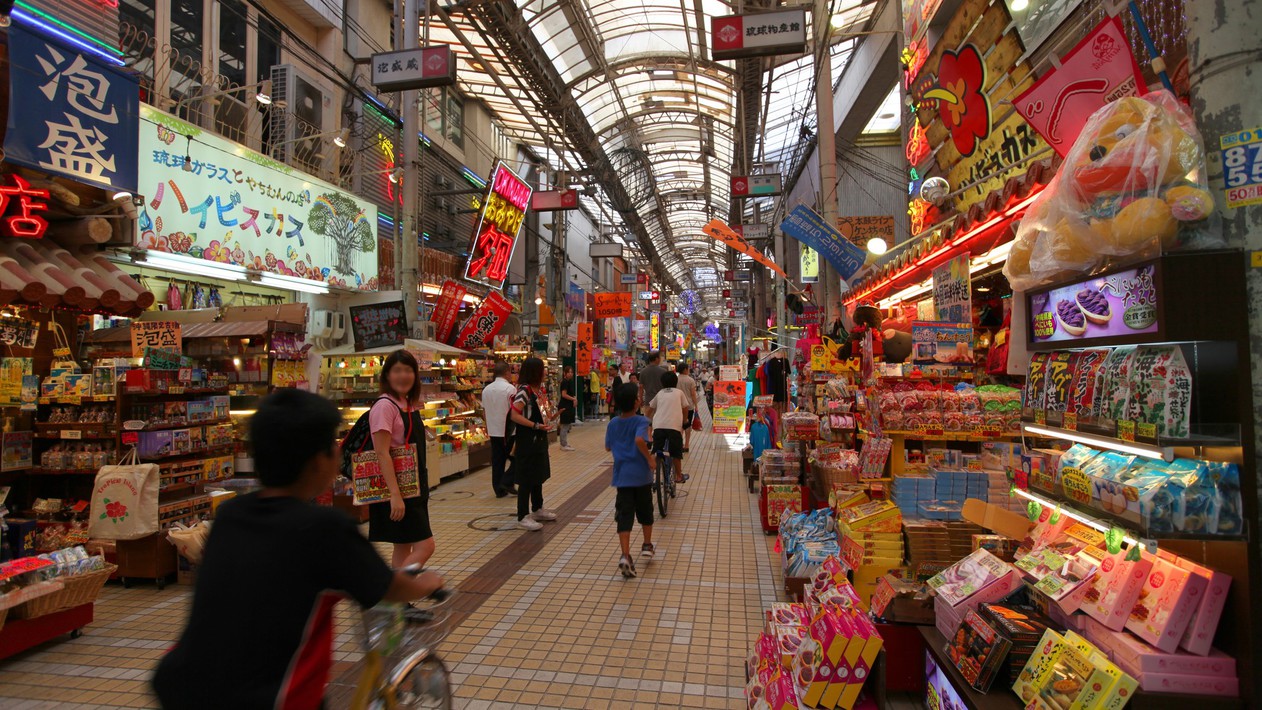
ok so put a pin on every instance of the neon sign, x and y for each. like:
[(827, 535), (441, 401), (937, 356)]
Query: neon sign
[(18, 206), (499, 223)]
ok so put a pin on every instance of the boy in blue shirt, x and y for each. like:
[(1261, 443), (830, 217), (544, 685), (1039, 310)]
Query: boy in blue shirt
[(627, 437)]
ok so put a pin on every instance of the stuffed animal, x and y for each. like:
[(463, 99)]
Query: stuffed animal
[(1132, 186)]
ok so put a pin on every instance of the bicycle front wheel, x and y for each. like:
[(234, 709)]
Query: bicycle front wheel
[(425, 685), (662, 482)]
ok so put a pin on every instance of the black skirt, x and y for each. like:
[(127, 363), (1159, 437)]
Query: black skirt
[(413, 527), (530, 458)]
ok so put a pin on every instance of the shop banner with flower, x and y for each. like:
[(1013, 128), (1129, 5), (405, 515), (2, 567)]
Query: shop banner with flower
[(209, 198)]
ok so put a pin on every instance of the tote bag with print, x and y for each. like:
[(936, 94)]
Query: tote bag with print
[(125, 500)]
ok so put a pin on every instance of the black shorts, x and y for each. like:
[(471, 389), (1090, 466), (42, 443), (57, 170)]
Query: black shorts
[(669, 440), (633, 504)]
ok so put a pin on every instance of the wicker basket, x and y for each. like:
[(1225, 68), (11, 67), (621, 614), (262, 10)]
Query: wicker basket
[(78, 590)]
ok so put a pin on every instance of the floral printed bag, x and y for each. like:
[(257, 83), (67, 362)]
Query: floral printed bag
[(125, 500)]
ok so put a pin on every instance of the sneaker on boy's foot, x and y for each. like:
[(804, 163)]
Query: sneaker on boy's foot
[(544, 515), (528, 523), (626, 567), (567, 448), (647, 550)]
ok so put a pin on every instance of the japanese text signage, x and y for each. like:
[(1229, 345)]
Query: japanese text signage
[(378, 325), (806, 226), (729, 406), (1242, 167), (18, 333), (503, 212), (757, 35), (860, 229), (1125, 303), (583, 349), (649, 295), (414, 68), (232, 205), (156, 334), (486, 321), (719, 230), (942, 344), (809, 266), (756, 186), (655, 331), (952, 295), (613, 305), (20, 205), (554, 200), (629, 278), (77, 116), (446, 309)]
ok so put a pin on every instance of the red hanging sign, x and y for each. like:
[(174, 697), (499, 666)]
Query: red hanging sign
[(503, 212), (18, 204), (446, 309), (485, 322), (583, 349), (616, 304)]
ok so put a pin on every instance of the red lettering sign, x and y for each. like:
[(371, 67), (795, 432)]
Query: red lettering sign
[(503, 212), (485, 322), (17, 208), (446, 309)]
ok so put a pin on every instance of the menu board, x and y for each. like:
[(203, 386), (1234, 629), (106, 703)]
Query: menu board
[(1114, 305), (379, 325)]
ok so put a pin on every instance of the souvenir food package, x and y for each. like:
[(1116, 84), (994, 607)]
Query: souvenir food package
[(1167, 601), (1114, 383), (1070, 467), (1161, 390), (977, 650), (1115, 588), (874, 516), (1204, 624), (980, 577), (1022, 625), (1061, 678), (1078, 484), (789, 639), (1140, 659), (1133, 185), (1226, 478), (756, 686), (1058, 570), (1083, 394), (785, 614), (1060, 373), (1035, 397), (1112, 695), (780, 693)]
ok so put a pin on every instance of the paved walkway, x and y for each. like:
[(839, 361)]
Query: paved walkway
[(544, 619)]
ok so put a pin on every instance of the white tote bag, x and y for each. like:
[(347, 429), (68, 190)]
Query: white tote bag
[(125, 500)]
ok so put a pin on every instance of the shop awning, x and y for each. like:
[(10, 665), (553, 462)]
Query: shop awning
[(39, 272), (238, 329)]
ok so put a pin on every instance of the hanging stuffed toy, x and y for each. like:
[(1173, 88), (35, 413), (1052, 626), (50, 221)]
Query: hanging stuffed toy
[(867, 318)]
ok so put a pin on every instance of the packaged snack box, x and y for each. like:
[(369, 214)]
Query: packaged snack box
[(1113, 382), (980, 572), (785, 614), (1040, 666), (1199, 636), (1035, 396), (1161, 390), (1060, 372), (1039, 468), (756, 687), (1083, 401), (1112, 593), (1073, 683), (1189, 684), (814, 673), (1139, 658), (874, 516), (1112, 694), (977, 650), (861, 654), (781, 694), (1166, 604)]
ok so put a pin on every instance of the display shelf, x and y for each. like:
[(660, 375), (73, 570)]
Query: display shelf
[(186, 425), (74, 433), (41, 471), (999, 697), (960, 436), (1102, 520), (174, 391), (95, 399), (20, 634), (221, 450), (1162, 448)]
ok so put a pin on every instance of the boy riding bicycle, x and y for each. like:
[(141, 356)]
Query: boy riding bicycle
[(627, 439), (669, 408)]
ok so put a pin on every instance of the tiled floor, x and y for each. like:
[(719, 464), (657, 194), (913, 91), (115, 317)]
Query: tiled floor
[(563, 630)]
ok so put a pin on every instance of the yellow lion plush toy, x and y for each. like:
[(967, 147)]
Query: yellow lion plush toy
[(1132, 186)]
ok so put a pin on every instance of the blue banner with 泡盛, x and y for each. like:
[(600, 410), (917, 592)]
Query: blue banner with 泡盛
[(807, 226)]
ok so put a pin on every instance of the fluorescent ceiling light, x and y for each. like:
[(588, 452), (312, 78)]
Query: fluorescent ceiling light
[(293, 284), (1089, 522), (189, 265), (1102, 442)]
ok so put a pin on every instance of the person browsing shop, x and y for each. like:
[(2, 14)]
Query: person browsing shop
[(497, 398), (627, 438), (668, 409), (534, 416), (568, 402), (395, 420), (273, 568), (688, 386)]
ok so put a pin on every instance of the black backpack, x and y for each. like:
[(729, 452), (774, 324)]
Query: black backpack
[(359, 437)]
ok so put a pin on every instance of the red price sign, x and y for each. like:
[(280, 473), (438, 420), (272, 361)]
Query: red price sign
[(131, 438), (1071, 421)]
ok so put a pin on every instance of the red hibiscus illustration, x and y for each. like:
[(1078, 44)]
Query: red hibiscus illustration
[(114, 510), (962, 103)]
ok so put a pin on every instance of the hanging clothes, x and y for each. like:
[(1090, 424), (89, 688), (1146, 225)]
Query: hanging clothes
[(777, 378), (759, 438)]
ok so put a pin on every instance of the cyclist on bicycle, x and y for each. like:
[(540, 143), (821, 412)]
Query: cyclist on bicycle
[(273, 569), (669, 409), (626, 438)]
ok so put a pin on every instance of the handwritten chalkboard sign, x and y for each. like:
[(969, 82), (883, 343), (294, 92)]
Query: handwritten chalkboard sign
[(378, 325)]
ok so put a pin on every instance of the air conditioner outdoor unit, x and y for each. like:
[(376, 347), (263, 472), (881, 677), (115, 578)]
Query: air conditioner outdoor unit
[(443, 181), (424, 330), (441, 203), (339, 325), (300, 109), (321, 324), (451, 210)]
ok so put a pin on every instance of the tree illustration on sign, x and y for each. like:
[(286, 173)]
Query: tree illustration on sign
[(339, 218)]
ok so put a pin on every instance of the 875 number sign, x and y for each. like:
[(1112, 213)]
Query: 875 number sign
[(1242, 167)]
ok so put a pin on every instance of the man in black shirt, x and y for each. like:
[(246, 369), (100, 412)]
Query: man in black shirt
[(651, 378), (273, 569)]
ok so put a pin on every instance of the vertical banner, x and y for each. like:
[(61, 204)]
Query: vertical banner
[(805, 225), (952, 291), (503, 211), (485, 322), (729, 407), (640, 330), (583, 349), (809, 265), (446, 309), (655, 331)]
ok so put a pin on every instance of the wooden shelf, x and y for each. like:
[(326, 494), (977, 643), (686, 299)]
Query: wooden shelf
[(200, 453), (187, 425)]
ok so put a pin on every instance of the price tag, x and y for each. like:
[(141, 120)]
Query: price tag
[(186, 374), (926, 430), (1040, 417), (71, 434), (175, 390), (1126, 430), (70, 399), (1071, 421), (1145, 430), (131, 438), (102, 398), (991, 433), (80, 506)]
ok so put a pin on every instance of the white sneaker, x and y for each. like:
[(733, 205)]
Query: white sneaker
[(567, 448), (543, 515), (527, 523)]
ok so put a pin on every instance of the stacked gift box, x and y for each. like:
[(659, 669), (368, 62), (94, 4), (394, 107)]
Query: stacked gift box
[(872, 542), (911, 490)]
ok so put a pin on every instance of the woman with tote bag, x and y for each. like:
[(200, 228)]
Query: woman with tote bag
[(395, 421)]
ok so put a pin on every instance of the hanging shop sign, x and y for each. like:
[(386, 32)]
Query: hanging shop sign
[(962, 95), (729, 407), (446, 309), (936, 343), (575, 298), (952, 294), (612, 305), (1099, 70), (858, 230), (738, 275), (378, 325), (917, 14), (155, 334), (1036, 20), (414, 68), (1242, 167), (629, 278), (655, 331), (499, 223), (719, 230), (554, 200), (758, 35), (809, 265), (1125, 303), (77, 115), (756, 186), (19, 333), (212, 199), (20, 208), (805, 225), (640, 332), (485, 322), (649, 295), (583, 349), (605, 250), (753, 231)]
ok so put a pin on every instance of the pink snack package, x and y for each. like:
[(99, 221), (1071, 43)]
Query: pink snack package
[(1166, 604), (1199, 636), (1186, 684), (980, 577), (1125, 648), (1115, 588)]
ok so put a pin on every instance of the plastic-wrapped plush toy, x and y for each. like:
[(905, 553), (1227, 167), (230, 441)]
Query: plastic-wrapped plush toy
[(1132, 186)]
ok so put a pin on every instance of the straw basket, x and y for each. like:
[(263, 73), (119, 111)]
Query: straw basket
[(77, 590)]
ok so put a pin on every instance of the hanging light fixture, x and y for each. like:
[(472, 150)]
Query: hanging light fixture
[(877, 246)]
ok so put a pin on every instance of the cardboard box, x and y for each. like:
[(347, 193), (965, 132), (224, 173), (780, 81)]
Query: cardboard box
[(1167, 601)]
